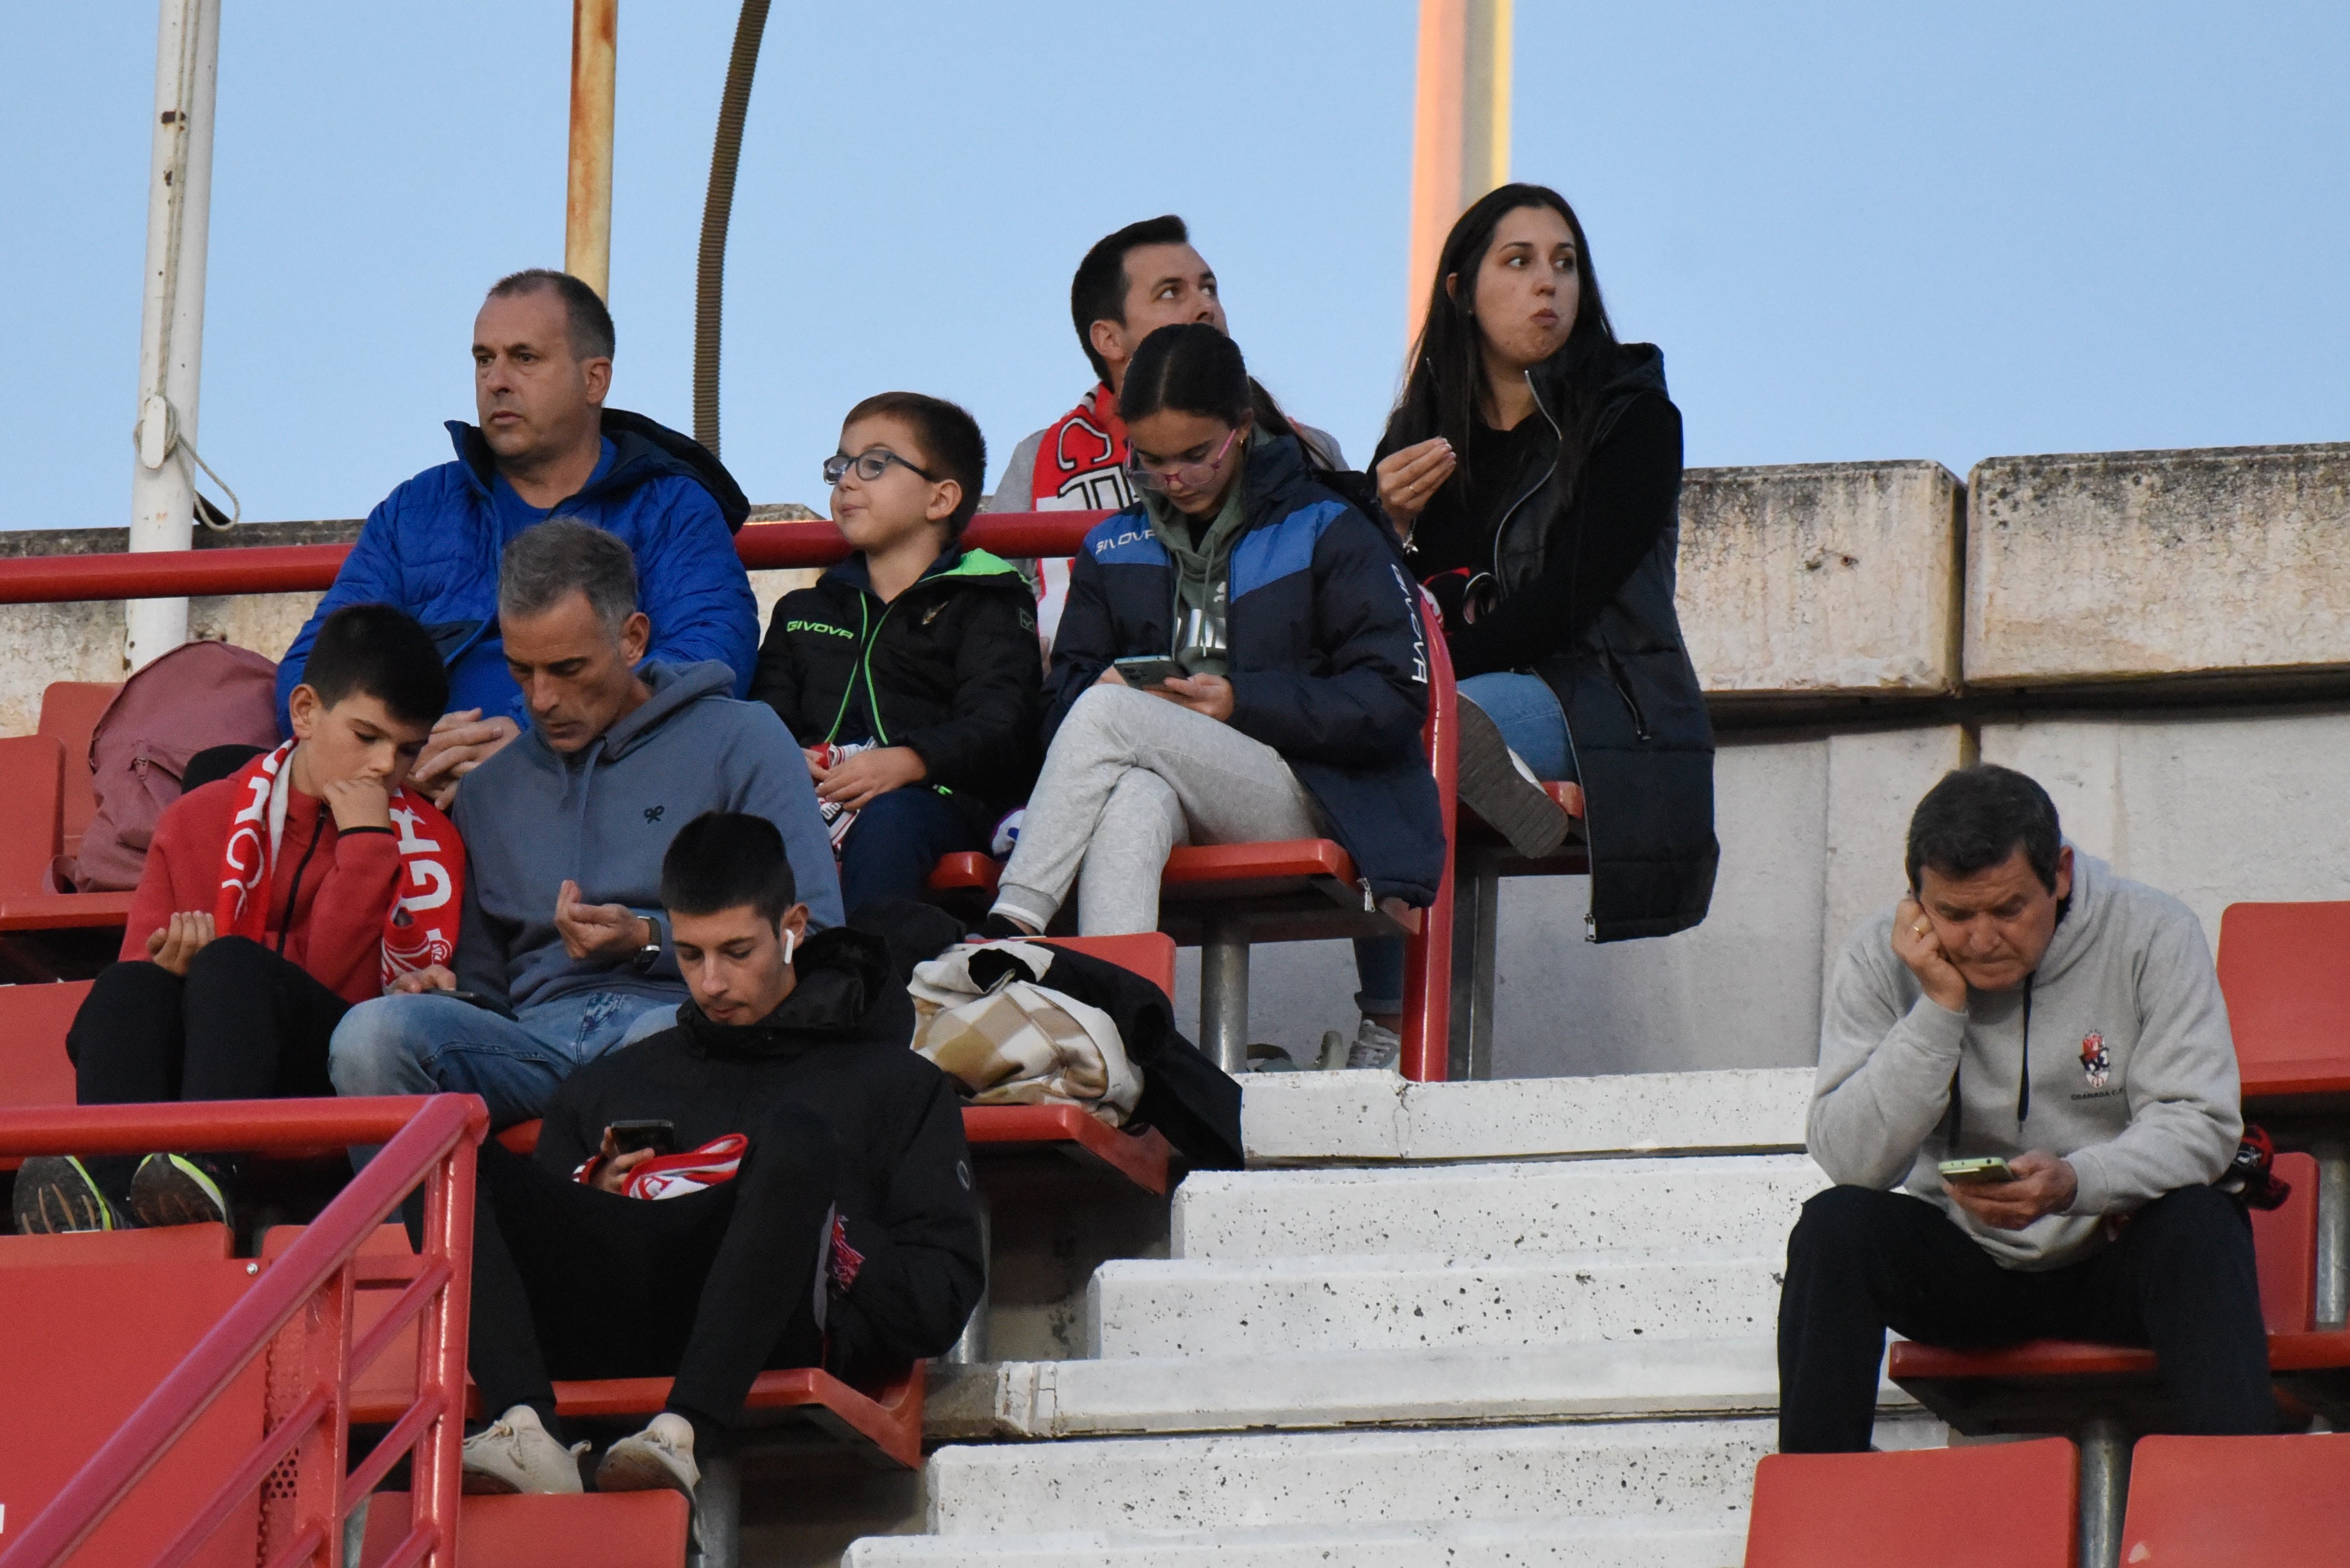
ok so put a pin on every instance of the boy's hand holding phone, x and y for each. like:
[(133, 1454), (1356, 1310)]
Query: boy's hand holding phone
[(854, 780), (2040, 1184)]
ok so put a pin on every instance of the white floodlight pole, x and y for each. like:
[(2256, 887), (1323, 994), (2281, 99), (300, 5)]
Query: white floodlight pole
[(172, 320)]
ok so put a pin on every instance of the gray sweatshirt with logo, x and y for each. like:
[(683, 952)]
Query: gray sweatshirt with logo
[(2131, 1069), (603, 817)]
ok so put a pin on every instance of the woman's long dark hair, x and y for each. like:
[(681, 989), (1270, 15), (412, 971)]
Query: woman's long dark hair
[(1193, 368), (1446, 391)]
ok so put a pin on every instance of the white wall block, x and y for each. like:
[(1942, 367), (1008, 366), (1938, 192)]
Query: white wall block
[(1876, 778), (1542, 1543), (1821, 578), (1535, 1210), (1355, 1117), (2093, 566), (1193, 1306), (2214, 810), (1638, 1470)]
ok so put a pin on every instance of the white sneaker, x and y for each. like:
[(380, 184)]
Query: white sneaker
[(661, 1456), (1375, 1047), (519, 1455)]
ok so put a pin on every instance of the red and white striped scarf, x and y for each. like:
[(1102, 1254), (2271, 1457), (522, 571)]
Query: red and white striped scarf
[(421, 926)]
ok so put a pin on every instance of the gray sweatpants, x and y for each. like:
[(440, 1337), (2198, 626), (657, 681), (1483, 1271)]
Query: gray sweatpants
[(1130, 776)]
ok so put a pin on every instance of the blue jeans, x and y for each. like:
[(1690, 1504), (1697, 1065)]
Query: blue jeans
[(1526, 710), (897, 840), (428, 1045)]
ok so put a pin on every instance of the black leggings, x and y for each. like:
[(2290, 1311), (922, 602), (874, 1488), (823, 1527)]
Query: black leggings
[(713, 1287), (245, 1024)]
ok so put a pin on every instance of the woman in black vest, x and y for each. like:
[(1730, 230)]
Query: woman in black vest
[(1532, 468)]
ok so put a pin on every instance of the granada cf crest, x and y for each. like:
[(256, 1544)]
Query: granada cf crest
[(2096, 1062)]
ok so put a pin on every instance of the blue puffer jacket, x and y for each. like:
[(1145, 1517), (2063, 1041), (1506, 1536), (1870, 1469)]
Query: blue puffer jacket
[(432, 548), (1328, 657)]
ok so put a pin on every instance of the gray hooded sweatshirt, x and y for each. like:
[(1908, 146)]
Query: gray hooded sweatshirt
[(604, 815), (2132, 1071)]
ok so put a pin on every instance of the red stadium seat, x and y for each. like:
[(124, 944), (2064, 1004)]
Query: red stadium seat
[(594, 1530), (70, 710), (94, 1323), (34, 1069), (2008, 1504), (2218, 1502), (2285, 970)]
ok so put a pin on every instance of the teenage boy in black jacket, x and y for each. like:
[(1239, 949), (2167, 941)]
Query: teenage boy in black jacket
[(808, 1136), (911, 672)]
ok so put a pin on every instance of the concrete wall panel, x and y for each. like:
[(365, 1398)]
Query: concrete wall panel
[(2217, 810), (2110, 565), (1824, 577)]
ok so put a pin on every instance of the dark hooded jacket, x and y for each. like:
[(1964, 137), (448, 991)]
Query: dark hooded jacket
[(950, 668), (1327, 657), (837, 1046), (1587, 581), (432, 548)]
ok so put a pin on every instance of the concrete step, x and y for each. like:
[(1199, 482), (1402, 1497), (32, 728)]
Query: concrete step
[(1540, 1209), (1196, 1306), (1481, 1385), (1290, 1118), (1680, 1472), (1549, 1543)]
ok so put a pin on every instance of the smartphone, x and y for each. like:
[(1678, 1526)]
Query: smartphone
[(475, 999), (1146, 669), (1975, 1172), (661, 1137)]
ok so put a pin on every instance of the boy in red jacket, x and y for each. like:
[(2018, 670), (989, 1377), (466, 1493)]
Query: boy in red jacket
[(272, 901)]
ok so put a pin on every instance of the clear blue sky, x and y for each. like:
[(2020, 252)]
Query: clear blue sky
[(1861, 230)]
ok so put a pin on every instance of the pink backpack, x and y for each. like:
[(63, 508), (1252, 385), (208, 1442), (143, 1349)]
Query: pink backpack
[(198, 695)]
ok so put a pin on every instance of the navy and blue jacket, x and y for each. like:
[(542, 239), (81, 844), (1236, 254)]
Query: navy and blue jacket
[(432, 547), (1328, 655)]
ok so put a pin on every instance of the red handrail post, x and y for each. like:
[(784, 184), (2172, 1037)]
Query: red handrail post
[(440, 1353), (1428, 969)]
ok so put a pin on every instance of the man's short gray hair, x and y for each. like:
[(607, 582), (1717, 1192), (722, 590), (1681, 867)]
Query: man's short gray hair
[(550, 561)]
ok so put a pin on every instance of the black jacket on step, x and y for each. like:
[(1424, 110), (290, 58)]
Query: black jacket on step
[(950, 668), (1587, 581), (837, 1045)]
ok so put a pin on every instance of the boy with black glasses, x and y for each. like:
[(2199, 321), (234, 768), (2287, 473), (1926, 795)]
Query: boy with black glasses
[(909, 671)]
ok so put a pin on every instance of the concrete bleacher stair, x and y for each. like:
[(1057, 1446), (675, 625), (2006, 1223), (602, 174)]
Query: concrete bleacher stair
[(1470, 1323)]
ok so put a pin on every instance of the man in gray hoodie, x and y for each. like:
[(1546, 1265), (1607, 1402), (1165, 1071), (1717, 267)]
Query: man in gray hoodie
[(2023, 1003), (563, 955)]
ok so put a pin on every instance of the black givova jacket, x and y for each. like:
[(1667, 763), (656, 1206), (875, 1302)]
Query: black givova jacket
[(950, 668), (838, 1046), (1586, 583), (1327, 657)]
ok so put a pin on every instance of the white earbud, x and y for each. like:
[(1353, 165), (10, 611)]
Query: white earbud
[(791, 939)]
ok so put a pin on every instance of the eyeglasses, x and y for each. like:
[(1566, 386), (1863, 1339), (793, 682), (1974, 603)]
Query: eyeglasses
[(869, 466), (1155, 476)]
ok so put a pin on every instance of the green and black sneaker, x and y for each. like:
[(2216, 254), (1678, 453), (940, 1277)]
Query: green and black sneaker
[(179, 1189), (56, 1195)]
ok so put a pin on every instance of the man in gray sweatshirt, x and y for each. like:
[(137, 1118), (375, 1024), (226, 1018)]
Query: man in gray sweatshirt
[(2023, 1003), (562, 955)]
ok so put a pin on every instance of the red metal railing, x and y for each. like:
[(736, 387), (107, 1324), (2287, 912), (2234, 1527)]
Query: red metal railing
[(427, 1140), (303, 569), (1426, 1057)]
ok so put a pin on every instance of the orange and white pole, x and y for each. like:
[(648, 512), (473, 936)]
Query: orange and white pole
[(588, 204), (1460, 127)]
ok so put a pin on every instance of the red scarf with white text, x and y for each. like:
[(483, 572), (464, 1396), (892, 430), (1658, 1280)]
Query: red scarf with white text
[(421, 926)]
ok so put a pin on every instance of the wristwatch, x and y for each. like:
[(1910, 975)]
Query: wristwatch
[(645, 956)]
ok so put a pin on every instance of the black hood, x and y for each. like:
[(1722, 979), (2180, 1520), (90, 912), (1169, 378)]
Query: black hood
[(642, 449), (848, 993)]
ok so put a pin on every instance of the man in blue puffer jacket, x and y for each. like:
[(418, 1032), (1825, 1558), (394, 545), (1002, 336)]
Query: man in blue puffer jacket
[(546, 447)]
